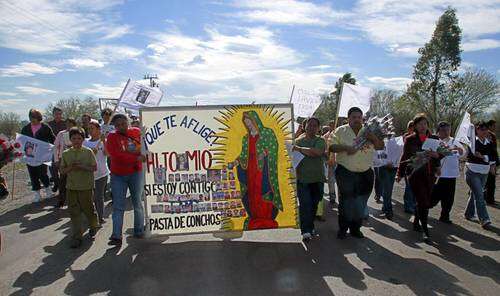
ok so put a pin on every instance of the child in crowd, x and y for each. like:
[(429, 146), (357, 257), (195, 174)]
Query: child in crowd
[(79, 164)]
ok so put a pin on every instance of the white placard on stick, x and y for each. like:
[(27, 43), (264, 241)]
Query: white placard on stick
[(354, 96), (466, 134), (305, 103), (136, 95)]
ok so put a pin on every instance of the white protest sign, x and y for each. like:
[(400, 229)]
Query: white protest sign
[(35, 152), (305, 103), (466, 133), (136, 95), (354, 96)]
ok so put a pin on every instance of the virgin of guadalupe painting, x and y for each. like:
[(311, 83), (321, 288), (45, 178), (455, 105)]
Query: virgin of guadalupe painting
[(258, 174)]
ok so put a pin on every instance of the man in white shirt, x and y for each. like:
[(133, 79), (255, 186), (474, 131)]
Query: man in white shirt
[(444, 189)]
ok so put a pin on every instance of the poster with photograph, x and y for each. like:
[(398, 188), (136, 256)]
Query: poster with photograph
[(218, 168), (34, 152)]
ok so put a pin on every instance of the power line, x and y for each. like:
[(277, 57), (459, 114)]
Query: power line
[(39, 21)]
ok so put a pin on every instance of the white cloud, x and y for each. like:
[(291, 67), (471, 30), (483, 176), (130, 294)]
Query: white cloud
[(331, 36), (480, 44), (86, 63), (35, 90), (12, 101), (117, 31), (404, 26), (5, 93), (227, 68), (45, 26), (113, 53), (321, 67), (396, 83), (287, 12), (103, 91), (27, 69)]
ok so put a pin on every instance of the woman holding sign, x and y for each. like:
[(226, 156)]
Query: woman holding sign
[(257, 168), (421, 169), (41, 131)]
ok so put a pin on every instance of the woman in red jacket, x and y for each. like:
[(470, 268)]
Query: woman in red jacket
[(124, 149)]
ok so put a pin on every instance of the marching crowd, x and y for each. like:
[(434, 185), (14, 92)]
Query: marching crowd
[(380, 163), (89, 152)]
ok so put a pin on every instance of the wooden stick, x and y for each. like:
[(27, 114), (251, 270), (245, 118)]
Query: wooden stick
[(13, 179), (291, 95), (338, 104)]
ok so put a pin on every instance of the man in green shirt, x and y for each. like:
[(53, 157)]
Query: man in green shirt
[(79, 164), (310, 175)]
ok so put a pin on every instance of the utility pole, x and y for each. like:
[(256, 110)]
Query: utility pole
[(152, 79)]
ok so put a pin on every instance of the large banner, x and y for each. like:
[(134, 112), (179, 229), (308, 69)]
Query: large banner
[(218, 168), (34, 152)]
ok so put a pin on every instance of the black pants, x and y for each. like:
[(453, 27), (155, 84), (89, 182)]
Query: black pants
[(489, 194), (444, 191), (421, 215), (38, 174), (378, 182), (354, 190), (54, 172)]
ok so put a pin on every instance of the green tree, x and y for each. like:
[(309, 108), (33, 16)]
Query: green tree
[(436, 70), (328, 108), (10, 123), (74, 107)]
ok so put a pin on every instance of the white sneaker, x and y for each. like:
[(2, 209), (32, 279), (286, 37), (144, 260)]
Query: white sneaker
[(48, 192), (37, 197)]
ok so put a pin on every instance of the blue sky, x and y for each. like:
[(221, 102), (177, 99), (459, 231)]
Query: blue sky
[(214, 52)]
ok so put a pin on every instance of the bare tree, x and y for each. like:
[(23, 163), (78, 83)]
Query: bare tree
[(74, 107), (475, 91), (10, 123)]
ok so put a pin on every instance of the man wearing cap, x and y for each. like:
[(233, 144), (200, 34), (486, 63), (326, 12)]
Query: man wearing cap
[(444, 189), (354, 173)]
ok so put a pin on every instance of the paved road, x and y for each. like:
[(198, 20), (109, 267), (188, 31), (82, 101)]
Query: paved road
[(463, 259)]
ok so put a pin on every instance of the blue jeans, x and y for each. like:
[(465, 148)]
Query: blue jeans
[(119, 185), (309, 196), (409, 202), (387, 176), (476, 201)]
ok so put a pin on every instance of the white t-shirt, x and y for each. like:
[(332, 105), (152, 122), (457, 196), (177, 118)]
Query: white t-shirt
[(450, 163), (379, 158), (101, 158)]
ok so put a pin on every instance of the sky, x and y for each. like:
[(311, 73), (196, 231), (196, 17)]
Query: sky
[(224, 52)]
